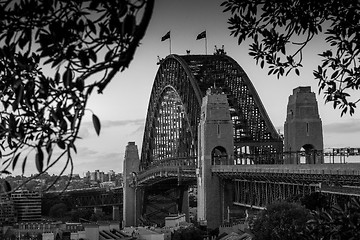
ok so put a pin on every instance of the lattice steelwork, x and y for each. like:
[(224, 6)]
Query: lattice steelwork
[(174, 110), (262, 193)]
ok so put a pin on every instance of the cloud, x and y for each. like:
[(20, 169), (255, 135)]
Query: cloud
[(87, 128), (84, 132), (86, 152), (117, 123), (136, 122), (352, 126)]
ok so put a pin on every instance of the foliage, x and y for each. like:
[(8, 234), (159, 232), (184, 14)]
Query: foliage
[(78, 214), (280, 30), (50, 53), (315, 201), (39, 236), (58, 210), (340, 222), (49, 200), (189, 233), (280, 221), (27, 236)]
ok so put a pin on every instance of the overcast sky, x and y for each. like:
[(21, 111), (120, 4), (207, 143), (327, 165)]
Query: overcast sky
[(123, 106)]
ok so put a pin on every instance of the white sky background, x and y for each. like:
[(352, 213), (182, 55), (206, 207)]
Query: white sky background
[(122, 108)]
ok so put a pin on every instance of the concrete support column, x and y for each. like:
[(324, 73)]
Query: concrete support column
[(185, 204), (97, 210), (116, 213), (227, 190)]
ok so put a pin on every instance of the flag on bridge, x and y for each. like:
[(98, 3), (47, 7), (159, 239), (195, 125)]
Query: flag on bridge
[(201, 35), (166, 36)]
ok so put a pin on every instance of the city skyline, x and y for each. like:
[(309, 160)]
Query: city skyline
[(123, 106)]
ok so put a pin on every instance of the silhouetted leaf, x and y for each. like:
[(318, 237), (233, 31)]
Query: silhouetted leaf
[(61, 144), (91, 26), (19, 96), (92, 55), (23, 165), (39, 159), (83, 58), (67, 78), (15, 160), (108, 55), (129, 24), (96, 123), (72, 145), (5, 172)]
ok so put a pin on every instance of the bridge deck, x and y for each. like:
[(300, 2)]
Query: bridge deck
[(348, 173), (333, 174)]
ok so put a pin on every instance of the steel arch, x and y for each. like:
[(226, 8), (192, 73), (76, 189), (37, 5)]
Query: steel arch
[(170, 135)]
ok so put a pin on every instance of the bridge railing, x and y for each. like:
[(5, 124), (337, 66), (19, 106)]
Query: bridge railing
[(352, 169), (171, 162)]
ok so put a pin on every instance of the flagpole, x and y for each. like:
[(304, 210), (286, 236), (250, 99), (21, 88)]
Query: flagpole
[(165, 37), (205, 44), (201, 36), (170, 44)]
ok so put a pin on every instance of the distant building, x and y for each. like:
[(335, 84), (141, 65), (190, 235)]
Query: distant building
[(92, 176), (27, 205), (107, 184), (87, 175), (67, 231), (174, 220), (32, 230), (7, 212), (111, 175), (97, 175), (147, 233), (106, 177), (101, 177)]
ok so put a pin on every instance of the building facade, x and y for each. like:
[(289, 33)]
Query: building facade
[(7, 212), (27, 205)]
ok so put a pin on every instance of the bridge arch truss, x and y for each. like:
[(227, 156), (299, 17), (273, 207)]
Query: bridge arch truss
[(171, 127)]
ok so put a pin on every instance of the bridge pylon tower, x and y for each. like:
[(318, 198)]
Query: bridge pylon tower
[(303, 128), (215, 147), (131, 197)]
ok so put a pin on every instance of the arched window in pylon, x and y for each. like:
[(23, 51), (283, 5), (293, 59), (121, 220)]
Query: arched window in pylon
[(219, 156)]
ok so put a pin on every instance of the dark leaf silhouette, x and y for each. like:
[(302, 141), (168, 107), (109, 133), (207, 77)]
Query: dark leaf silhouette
[(42, 107), (284, 29), (96, 123), (39, 160)]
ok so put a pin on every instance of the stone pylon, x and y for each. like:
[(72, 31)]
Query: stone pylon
[(216, 147), (130, 200), (303, 128)]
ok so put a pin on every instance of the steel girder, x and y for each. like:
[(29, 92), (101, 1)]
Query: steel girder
[(174, 111), (162, 200), (259, 194), (91, 197)]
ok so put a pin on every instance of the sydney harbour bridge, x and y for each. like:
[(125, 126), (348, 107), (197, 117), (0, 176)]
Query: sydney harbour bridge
[(206, 128)]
